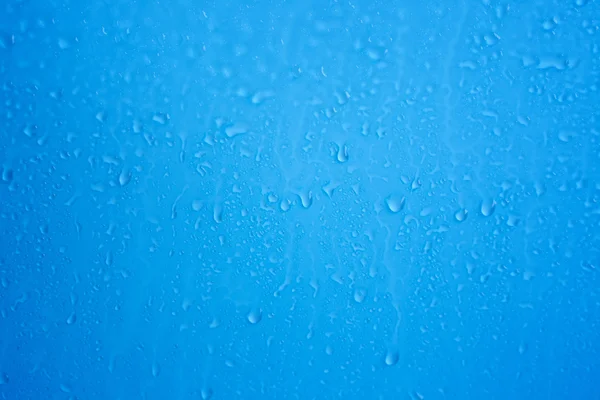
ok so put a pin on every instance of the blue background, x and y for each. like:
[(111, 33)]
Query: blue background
[(299, 200)]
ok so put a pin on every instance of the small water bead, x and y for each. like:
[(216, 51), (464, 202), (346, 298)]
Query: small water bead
[(513, 220), (488, 207), (391, 358), (124, 177), (285, 205), (255, 316), (342, 154), (416, 183), (359, 295), (395, 203), (72, 319), (306, 198), (461, 215)]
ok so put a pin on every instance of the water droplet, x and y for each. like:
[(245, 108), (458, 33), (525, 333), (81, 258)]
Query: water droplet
[(108, 260), (196, 205), (218, 213), (540, 188), (72, 319), (375, 54), (416, 183), (461, 215), (391, 358), (488, 207), (7, 174), (522, 348), (235, 130), (137, 126), (65, 388), (4, 378), (261, 96), (160, 118), (101, 116), (6, 40), (30, 130), (155, 369), (254, 316), (342, 154), (285, 205), (395, 203), (513, 220), (306, 198), (206, 393), (359, 295), (63, 44), (549, 24), (124, 177)]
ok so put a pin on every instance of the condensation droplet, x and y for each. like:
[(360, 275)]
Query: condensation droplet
[(206, 393), (488, 207), (124, 177), (72, 319), (391, 358), (218, 213), (395, 203), (235, 130), (306, 198), (155, 369), (342, 154), (461, 215), (359, 295), (254, 316), (285, 205)]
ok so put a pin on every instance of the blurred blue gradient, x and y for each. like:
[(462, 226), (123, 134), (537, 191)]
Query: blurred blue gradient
[(299, 199)]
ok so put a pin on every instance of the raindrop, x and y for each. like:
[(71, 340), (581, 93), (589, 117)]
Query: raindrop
[(206, 394), (137, 126), (359, 295), (124, 177), (65, 388), (461, 215), (63, 44), (6, 40), (285, 205), (7, 174), (342, 154), (196, 205), (395, 203), (72, 319), (306, 198), (416, 183), (488, 207), (391, 358), (160, 118), (522, 348), (540, 188), (254, 316), (260, 97), (513, 220), (155, 369), (218, 213), (101, 116), (30, 130), (235, 130)]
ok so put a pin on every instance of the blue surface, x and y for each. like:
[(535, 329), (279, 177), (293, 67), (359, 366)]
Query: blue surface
[(299, 200)]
